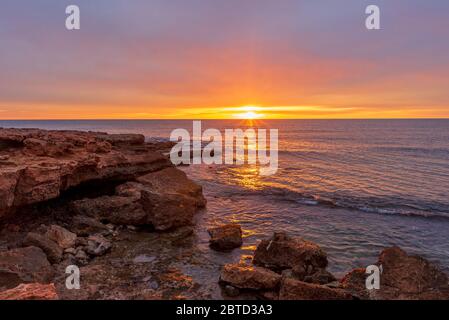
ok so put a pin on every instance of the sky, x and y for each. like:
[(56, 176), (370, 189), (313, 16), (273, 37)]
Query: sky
[(199, 59)]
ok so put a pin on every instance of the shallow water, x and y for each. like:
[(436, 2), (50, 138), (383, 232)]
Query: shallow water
[(353, 186)]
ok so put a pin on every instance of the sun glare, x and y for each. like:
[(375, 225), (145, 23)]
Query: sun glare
[(249, 113)]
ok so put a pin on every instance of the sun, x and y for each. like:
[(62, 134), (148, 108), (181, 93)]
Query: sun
[(249, 113)]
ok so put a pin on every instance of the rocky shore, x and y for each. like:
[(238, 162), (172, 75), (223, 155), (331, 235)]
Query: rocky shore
[(115, 206)]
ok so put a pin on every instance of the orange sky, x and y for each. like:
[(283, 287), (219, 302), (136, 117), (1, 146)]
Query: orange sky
[(159, 60)]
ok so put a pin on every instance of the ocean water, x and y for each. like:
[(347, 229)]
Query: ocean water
[(353, 186)]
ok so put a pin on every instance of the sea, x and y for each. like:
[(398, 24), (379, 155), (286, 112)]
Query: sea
[(354, 187)]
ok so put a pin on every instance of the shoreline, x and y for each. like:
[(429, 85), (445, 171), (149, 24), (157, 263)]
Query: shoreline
[(110, 203)]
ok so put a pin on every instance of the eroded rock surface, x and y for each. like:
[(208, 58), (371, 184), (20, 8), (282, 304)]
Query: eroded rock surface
[(225, 237), (24, 265), (249, 277), (403, 277), (39, 165), (30, 291)]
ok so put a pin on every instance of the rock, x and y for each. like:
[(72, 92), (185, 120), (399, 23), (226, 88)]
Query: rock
[(51, 249), (97, 245), (165, 199), (115, 209), (123, 139), (63, 237), (70, 251), (249, 277), (292, 289), (225, 237), (81, 257), (4, 157), (43, 164), (31, 291), (170, 198), (143, 258), (24, 265), (85, 226), (231, 291), (403, 277), (284, 252), (321, 276)]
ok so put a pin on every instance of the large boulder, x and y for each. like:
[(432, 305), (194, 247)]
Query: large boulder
[(225, 237), (165, 199), (292, 289), (285, 252), (249, 277), (24, 265), (403, 277), (41, 164), (30, 291)]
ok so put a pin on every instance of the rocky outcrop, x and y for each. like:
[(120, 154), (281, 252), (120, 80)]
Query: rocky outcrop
[(249, 277), (31, 291), (403, 277), (164, 199), (225, 237), (292, 289), (24, 265), (39, 165)]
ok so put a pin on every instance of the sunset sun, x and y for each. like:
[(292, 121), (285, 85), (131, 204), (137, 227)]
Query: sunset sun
[(249, 113)]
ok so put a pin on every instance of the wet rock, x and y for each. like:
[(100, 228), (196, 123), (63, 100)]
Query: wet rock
[(292, 289), (42, 164), (321, 276), (225, 237), (249, 277), (24, 265), (97, 245), (31, 291), (403, 277), (231, 291), (51, 249), (63, 237), (85, 226), (284, 252)]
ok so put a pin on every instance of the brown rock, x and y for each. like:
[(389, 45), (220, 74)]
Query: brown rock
[(165, 199), (63, 237), (24, 265), (42, 164), (97, 245), (225, 237), (31, 291), (51, 249), (320, 276), (292, 289), (249, 277), (403, 277), (84, 226), (284, 252), (115, 209)]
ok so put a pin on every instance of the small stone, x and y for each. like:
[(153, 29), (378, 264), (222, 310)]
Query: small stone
[(97, 245), (231, 291), (70, 251), (4, 157), (144, 259)]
